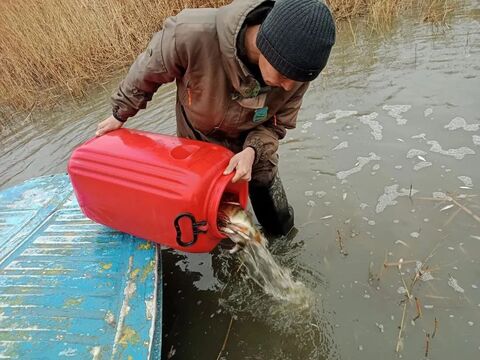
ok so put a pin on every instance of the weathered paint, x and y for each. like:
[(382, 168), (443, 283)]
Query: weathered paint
[(70, 287)]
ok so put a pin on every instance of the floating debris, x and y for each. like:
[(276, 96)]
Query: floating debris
[(309, 193), (373, 124), (363, 206), (401, 242), (467, 181), (475, 237), (362, 161), (398, 167), (344, 196), (458, 154), (470, 323), (380, 327), (422, 165), (414, 235), (376, 167), (326, 217), (342, 145), (311, 203), (427, 112), (395, 111), (390, 194), (336, 114), (452, 282), (447, 207), (460, 123)]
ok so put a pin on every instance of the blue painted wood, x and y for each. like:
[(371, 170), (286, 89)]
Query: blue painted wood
[(70, 288)]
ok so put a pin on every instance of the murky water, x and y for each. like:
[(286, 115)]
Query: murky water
[(387, 141)]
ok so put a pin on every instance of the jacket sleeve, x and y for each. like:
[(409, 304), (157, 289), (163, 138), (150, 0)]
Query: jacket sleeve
[(264, 138), (157, 65)]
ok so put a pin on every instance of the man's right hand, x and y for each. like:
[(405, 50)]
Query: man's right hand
[(108, 125)]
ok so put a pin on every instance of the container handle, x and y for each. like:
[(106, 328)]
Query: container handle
[(195, 229)]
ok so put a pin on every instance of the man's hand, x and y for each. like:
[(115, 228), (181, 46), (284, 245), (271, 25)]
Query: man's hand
[(242, 164), (108, 125)]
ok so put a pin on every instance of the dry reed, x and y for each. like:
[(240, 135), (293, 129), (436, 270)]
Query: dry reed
[(56, 47)]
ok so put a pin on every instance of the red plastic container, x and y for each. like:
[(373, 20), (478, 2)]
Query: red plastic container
[(157, 187)]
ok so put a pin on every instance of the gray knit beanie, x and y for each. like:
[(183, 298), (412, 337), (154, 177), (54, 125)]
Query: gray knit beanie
[(296, 38)]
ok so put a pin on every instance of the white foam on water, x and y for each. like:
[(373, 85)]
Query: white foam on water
[(311, 203), (390, 195), (458, 154), (398, 167), (395, 111), (421, 165), (363, 206), (342, 145), (453, 283), (374, 125), (427, 112), (467, 181), (307, 125), (335, 115), (476, 140), (441, 196), (420, 136), (460, 123), (414, 235), (361, 162), (415, 152), (376, 167), (309, 193)]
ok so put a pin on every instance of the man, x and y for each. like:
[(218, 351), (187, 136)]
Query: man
[(241, 73)]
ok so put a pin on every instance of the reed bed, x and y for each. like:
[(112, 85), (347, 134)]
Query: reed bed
[(53, 48)]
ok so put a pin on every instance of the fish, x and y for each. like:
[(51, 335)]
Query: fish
[(238, 225)]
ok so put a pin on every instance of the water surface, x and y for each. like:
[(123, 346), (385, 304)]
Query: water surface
[(385, 140)]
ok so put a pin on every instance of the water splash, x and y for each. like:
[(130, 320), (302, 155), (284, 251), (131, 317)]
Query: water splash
[(259, 263), (274, 279)]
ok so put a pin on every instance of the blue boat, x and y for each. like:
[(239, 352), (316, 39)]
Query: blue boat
[(70, 288)]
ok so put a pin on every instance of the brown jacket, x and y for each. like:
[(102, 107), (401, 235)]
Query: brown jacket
[(216, 95)]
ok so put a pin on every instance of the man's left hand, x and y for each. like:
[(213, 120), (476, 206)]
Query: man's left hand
[(242, 164)]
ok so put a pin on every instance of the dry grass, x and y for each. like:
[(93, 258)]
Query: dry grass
[(55, 47)]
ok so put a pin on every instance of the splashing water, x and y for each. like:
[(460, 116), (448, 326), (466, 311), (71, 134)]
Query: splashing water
[(259, 263)]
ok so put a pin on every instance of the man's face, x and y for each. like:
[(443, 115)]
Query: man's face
[(272, 77)]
